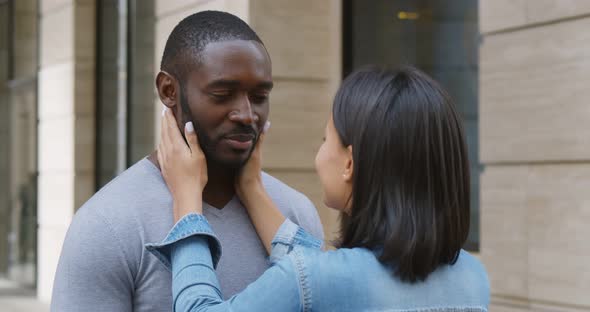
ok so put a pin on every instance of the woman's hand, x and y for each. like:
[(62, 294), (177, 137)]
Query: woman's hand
[(249, 180), (183, 166), (265, 215)]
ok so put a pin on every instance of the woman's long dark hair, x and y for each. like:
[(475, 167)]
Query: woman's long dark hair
[(410, 199)]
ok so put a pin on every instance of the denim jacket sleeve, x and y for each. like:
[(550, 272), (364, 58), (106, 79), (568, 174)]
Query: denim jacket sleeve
[(288, 237), (191, 250), (191, 225)]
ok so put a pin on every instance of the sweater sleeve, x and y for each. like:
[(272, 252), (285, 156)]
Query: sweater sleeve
[(93, 272)]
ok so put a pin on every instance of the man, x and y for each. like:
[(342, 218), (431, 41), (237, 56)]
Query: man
[(215, 72)]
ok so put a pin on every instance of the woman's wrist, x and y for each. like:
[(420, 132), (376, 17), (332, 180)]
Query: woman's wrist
[(265, 215), (253, 194), (188, 204)]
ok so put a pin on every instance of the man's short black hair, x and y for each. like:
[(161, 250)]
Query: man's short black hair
[(193, 33)]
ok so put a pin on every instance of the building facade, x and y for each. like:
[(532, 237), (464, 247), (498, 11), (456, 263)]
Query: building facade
[(535, 148), (78, 106)]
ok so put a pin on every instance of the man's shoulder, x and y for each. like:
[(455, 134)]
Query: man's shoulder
[(107, 234), (137, 182), (281, 192), (294, 205), (137, 193)]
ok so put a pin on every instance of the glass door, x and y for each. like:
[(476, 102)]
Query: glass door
[(18, 131), (439, 37)]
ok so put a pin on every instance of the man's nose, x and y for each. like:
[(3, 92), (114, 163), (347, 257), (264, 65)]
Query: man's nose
[(243, 113)]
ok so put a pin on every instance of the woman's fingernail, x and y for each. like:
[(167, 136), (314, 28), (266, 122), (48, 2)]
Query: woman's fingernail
[(189, 127), (266, 126), (164, 110)]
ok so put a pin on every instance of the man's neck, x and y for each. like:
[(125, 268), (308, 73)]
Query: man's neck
[(220, 184)]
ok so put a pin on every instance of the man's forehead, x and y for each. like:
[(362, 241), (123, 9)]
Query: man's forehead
[(234, 57)]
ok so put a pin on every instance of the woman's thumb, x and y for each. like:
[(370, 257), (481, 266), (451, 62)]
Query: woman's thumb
[(263, 133), (191, 136)]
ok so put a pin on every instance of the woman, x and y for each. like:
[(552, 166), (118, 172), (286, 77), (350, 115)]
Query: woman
[(394, 162)]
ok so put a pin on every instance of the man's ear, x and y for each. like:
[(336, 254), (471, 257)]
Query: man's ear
[(168, 89)]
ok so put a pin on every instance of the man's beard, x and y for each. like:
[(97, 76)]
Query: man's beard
[(208, 144)]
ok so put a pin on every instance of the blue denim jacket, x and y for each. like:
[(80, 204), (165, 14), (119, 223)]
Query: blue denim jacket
[(303, 278)]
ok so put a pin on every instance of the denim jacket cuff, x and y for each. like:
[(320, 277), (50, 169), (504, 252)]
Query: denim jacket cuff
[(190, 225), (287, 237)]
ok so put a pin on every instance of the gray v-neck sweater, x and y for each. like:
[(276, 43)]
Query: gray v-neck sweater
[(104, 266)]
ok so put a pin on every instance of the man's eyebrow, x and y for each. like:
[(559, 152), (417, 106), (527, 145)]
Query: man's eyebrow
[(223, 83), (267, 85), (232, 84)]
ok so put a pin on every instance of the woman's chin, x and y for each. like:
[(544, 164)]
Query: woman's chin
[(331, 205)]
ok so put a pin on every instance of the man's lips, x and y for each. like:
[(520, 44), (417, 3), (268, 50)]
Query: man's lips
[(240, 141), (242, 137)]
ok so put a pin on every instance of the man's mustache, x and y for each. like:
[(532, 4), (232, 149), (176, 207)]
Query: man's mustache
[(242, 130)]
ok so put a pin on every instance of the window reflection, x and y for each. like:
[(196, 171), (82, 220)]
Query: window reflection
[(440, 38), (18, 137), (125, 71)]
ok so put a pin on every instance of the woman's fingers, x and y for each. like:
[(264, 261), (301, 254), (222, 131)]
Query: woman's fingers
[(172, 131), (258, 147), (266, 126), (196, 152), (191, 137), (163, 129), (159, 153), (161, 160), (260, 140)]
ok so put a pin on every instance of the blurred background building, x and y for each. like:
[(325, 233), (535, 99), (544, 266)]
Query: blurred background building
[(78, 106)]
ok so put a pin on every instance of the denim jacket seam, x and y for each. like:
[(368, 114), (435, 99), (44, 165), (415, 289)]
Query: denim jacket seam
[(291, 234), (154, 248), (459, 308), (160, 257), (306, 239), (283, 241), (179, 232), (201, 227), (286, 234), (298, 261)]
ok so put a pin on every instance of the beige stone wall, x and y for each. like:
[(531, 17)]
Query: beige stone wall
[(535, 144), (66, 124), (303, 39)]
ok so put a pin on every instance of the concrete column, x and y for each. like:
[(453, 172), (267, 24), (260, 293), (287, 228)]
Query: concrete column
[(66, 124)]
